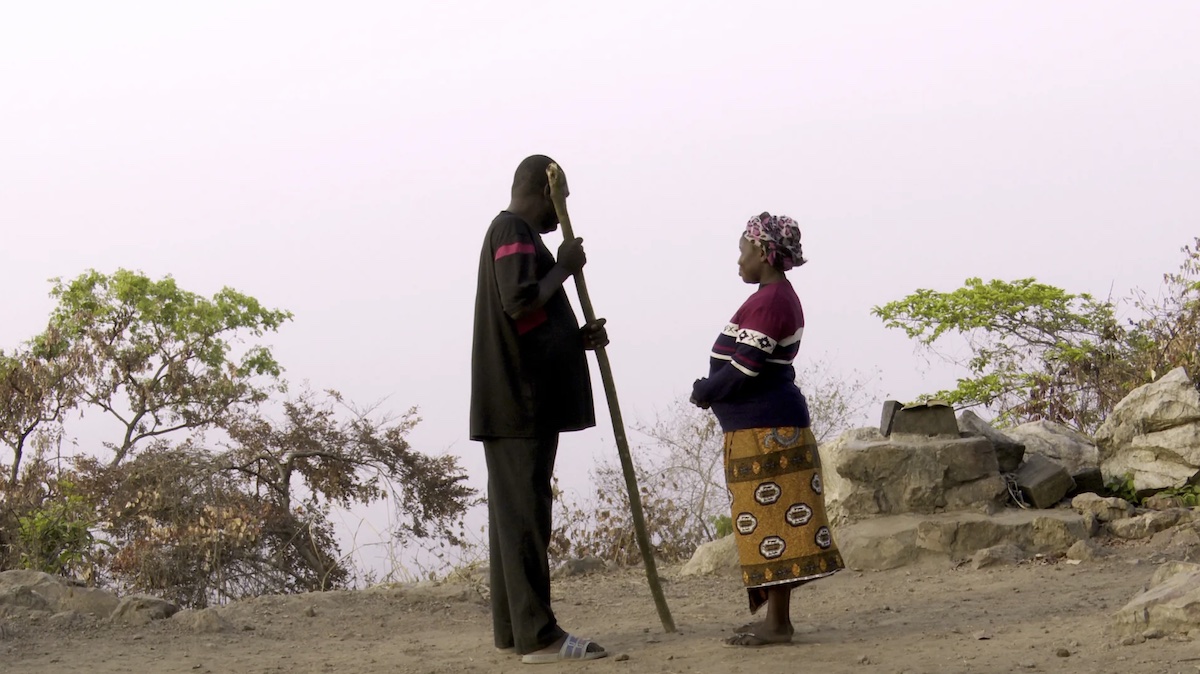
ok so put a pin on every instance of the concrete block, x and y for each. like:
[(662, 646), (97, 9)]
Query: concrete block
[(889, 412), (1043, 482), (926, 419)]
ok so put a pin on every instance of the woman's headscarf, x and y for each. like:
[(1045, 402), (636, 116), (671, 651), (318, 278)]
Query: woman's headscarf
[(779, 237)]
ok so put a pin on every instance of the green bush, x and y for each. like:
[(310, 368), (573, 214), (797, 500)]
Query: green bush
[(56, 537)]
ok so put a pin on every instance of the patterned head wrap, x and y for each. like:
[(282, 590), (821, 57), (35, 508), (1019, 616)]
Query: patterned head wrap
[(779, 237)]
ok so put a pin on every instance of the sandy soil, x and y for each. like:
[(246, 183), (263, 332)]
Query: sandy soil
[(1043, 615)]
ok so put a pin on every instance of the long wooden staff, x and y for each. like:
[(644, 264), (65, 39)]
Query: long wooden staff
[(610, 391)]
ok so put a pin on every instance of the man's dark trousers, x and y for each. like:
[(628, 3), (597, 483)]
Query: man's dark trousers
[(520, 501)]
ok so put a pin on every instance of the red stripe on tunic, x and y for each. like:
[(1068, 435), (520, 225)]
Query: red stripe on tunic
[(530, 321), (515, 249)]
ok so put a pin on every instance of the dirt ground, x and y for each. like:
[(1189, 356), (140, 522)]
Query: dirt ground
[(1043, 615)]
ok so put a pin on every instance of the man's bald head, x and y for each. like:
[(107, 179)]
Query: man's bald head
[(531, 193), (530, 178)]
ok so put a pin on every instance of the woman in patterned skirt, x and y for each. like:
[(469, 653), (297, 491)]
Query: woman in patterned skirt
[(771, 462)]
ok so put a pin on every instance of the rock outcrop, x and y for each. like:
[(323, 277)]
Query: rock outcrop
[(869, 475), (1072, 450), (1171, 605), (1009, 451), (1153, 434)]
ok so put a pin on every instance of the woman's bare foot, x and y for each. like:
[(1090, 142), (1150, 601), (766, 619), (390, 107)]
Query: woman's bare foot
[(760, 635), (761, 625)]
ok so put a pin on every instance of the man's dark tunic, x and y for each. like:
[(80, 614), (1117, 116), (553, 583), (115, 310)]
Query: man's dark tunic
[(529, 376)]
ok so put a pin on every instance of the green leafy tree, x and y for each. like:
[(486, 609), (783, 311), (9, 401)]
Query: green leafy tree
[(1040, 352), (197, 524), (157, 358), (34, 393), (58, 537)]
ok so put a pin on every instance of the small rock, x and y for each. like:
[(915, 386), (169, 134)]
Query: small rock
[(579, 567), (204, 621), (67, 619), (1162, 502), (1132, 640), (140, 609), (622, 657), (310, 612), (1063, 653), (1085, 550), (999, 554), (982, 636), (1144, 526), (864, 660), (1153, 634), (1105, 509)]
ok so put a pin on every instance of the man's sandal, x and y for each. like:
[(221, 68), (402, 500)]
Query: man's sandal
[(573, 648)]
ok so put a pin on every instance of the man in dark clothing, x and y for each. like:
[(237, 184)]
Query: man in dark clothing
[(529, 382)]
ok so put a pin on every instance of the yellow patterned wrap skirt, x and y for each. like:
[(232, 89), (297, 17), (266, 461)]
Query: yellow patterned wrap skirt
[(779, 520)]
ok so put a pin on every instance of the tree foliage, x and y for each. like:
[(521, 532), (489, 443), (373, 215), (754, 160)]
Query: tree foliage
[(35, 391), (165, 512), (1040, 352), (157, 358)]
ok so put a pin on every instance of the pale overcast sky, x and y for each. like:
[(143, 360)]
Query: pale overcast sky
[(342, 160)]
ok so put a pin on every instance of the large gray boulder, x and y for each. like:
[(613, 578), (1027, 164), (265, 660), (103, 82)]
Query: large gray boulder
[(1009, 451), (900, 540), (1071, 449), (42, 591), (869, 475), (1153, 434), (712, 557), (1170, 606)]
